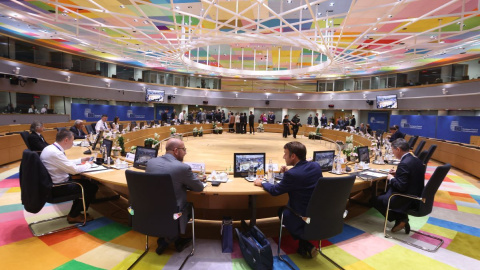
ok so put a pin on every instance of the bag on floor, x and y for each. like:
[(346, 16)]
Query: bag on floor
[(255, 247)]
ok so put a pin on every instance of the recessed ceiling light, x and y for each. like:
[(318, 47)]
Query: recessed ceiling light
[(390, 16), (442, 41), (319, 14), (145, 22), (122, 6), (332, 4), (375, 29), (177, 7), (135, 20)]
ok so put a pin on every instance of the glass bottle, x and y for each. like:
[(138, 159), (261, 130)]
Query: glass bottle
[(270, 171)]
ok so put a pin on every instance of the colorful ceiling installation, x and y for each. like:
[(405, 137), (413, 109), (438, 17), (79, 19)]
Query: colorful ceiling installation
[(254, 38)]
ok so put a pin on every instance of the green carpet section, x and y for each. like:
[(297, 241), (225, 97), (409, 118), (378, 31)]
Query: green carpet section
[(110, 232)]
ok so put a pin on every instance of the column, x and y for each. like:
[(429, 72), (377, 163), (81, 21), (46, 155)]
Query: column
[(442, 113), (112, 102), (251, 109), (395, 112), (284, 112), (112, 70)]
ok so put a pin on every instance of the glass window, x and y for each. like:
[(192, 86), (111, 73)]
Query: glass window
[(24, 51), (4, 46), (125, 73)]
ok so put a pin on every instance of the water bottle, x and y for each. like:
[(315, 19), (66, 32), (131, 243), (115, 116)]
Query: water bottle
[(270, 172), (251, 171)]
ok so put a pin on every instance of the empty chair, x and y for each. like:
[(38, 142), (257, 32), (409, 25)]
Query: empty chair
[(431, 150), (154, 203), (90, 129), (419, 148), (36, 189), (423, 155), (93, 125), (60, 129), (424, 206), (412, 141), (324, 218)]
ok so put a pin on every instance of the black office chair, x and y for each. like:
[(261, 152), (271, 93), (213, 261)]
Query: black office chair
[(431, 150), (419, 148), (90, 130), (324, 218), (133, 124), (60, 129), (24, 135), (93, 125), (36, 189), (153, 200), (423, 155), (424, 206), (412, 141)]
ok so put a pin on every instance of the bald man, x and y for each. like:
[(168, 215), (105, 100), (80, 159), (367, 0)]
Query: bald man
[(182, 178)]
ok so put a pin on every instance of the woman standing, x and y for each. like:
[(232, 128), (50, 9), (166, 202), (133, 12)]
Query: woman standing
[(286, 126)]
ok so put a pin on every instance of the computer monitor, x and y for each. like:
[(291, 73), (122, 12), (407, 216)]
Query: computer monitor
[(97, 139), (241, 162), (108, 147), (363, 154), (325, 159), (143, 155)]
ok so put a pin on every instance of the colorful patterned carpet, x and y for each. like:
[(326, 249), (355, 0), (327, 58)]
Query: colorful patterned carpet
[(105, 244)]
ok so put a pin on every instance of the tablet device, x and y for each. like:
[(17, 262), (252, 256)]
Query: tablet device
[(325, 159), (242, 161), (143, 155), (97, 139)]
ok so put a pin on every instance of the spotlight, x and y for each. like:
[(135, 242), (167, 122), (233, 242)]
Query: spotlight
[(16, 70), (444, 91), (402, 94), (144, 88), (107, 84), (236, 95), (364, 95), (67, 78)]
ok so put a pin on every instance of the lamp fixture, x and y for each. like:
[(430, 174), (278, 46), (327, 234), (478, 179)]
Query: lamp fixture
[(236, 95), (331, 96), (364, 95), (144, 88), (402, 94), (16, 70), (107, 84), (444, 91), (67, 78)]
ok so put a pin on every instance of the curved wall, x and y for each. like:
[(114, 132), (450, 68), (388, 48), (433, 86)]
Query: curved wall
[(461, 95)]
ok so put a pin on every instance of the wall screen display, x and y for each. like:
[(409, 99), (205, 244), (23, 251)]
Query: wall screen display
[(387, 102), (155, 95)]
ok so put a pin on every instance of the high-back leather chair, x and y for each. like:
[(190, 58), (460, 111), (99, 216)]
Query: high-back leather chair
[(424, 206), (431, 150), (412, 141), (423, 155), (90, 129), (36, 189), (24, 135), (325, 212), (93, 125), (419, 148), (154, 203)]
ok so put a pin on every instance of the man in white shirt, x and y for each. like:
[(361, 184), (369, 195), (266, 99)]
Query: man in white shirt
[(60, 167), (181, 116), (44, 109), (102, 124)]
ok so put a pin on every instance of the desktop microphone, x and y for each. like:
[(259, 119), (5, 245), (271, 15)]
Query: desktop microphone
[(87, 152)]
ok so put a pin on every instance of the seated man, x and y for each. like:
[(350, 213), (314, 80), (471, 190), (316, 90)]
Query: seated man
[(102, 124), (183, 178), (59, 168), (300, 182), (395, 134), (35, 139), (407, 179), (77, 130)]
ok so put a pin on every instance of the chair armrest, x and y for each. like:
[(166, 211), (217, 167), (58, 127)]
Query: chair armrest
[(305, 219), (405, 196)]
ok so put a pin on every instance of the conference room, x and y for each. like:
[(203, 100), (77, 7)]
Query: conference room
[(361, 62)]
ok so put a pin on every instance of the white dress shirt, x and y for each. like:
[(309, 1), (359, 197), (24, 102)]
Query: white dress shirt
[(101, 126), (180, 117), (58, 165), (43, 110)]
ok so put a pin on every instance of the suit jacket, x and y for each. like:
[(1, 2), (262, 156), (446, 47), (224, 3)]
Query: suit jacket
[(299, 182), (77, 133), (409, 179), (182, 178), (35, 182), (36, 142), (251, 119), (353, 122), (396, 135), (315, 121), (323, 121)]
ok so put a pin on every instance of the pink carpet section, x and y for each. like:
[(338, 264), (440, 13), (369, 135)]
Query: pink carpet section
[(4, 217), (430, 240), (445, 205), (13, 231), (9, 183)]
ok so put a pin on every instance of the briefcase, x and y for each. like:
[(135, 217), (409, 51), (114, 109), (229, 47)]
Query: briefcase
[(255, 247)]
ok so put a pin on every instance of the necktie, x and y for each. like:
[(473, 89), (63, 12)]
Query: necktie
[(105, 125), (41, 137)]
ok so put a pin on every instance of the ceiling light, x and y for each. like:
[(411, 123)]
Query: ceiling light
[(319, 14), (177, 7), (16, 70), (122, 6), (390, 16), (107, 84), (67, 78), (332, 4), (375, 29), (444, 91), (135, 20), (145, 22)]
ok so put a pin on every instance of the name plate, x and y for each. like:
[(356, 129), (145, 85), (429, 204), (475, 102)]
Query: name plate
[(196, 167), (130, 157)]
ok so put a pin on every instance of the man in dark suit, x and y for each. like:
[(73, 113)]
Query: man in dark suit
[(251, 122), (353, 121), (35, 139), (164, 117), (323, 120), (395, 134), (407, 179), (77, 130), (182, 178), (299, 182), (315, 120)]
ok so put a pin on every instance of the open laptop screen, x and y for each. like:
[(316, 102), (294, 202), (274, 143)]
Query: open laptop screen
[(108, 147), (143, 155), (242, 163), (363, 154), (325, 159)]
